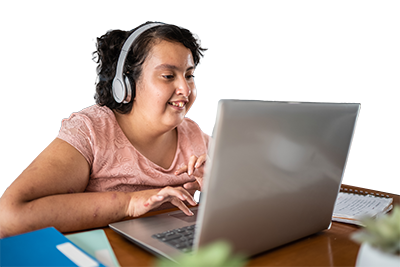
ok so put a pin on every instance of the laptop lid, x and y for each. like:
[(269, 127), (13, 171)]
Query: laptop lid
[(275, 173), (273, 176)]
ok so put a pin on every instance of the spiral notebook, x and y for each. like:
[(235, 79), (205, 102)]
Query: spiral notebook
[(352, 205)]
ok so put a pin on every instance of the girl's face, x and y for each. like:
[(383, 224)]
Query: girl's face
[(165, 90)]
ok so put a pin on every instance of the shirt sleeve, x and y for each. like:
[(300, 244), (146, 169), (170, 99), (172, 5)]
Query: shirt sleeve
[(76, 130)]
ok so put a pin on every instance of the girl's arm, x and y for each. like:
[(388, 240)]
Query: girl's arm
[(50, 192)]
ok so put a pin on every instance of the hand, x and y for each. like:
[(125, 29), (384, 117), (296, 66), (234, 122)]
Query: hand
[(143, 201), (193, 165)]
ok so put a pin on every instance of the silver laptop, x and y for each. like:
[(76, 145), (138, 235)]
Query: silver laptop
[(273, 176)]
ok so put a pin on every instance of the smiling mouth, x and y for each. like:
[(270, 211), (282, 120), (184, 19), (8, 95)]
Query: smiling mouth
[(179, 104)]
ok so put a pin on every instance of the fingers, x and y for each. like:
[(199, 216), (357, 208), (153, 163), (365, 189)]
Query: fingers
[(196, 185), (191, 185), (201, 160), (194, 163), (182, 207), (178, 192), (181, 170), (174, 195)]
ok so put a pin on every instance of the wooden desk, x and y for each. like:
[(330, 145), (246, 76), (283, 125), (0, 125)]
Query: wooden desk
[(331, 247)]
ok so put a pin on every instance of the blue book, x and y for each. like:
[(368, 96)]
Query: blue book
[(44, 247)]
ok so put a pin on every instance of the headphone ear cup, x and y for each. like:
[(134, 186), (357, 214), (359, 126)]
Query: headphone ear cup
[(124, 87), (118, 90), (128, 87)]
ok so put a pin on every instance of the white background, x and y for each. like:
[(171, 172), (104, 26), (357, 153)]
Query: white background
[(331, 51)]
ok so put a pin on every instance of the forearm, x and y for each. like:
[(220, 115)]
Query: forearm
[(66, 212)]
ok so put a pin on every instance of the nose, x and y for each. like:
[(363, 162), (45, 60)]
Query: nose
[(183, 88)]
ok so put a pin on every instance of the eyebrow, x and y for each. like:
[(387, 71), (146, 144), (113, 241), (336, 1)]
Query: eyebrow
[(173, 67)]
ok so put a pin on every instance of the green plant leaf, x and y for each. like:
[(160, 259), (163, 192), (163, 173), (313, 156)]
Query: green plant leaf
[(217, 254), (382, 232)]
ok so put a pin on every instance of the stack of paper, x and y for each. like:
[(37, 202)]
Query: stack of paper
[(349, 208)]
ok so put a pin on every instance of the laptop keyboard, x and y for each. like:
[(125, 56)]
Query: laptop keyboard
[(180, 238)]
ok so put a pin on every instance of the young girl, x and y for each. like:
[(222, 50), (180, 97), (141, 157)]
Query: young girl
[(132, 152)]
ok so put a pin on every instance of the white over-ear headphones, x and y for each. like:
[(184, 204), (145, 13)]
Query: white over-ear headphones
[(121, 86)]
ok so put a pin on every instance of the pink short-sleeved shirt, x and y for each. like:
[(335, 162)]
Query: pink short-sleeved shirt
[(115, 163)]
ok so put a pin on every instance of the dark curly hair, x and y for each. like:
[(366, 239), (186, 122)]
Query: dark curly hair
[(109, 47)]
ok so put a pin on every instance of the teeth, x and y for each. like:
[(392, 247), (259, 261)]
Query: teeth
[(180, 104)]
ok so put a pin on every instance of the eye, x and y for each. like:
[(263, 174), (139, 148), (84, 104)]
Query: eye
[(168, 76), (191, 76)]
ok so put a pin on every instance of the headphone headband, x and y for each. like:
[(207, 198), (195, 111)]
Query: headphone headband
[(120, 91)]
